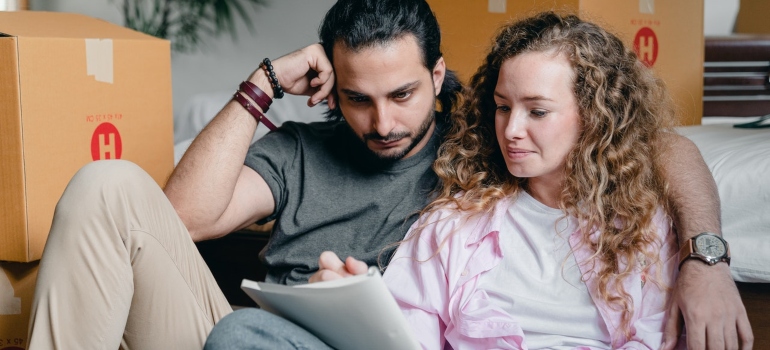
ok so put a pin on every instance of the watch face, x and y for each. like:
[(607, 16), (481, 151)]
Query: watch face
[(710, 246)]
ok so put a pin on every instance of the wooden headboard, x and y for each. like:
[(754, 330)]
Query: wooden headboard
[(736, 80)]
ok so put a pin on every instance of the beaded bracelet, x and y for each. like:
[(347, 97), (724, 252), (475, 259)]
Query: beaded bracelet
[(268, 67), (258, 116)]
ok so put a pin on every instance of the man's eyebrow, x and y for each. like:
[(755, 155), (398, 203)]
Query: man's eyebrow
[(405, 87), (527, 98), (402, 88), (353, 93)]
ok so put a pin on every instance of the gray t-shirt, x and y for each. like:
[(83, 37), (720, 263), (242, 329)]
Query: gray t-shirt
[(331, 195)]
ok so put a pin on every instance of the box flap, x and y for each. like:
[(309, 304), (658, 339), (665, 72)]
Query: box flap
[(13, 210), (63, 25)]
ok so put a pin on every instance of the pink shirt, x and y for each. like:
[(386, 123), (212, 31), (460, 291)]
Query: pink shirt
[(436, 288)]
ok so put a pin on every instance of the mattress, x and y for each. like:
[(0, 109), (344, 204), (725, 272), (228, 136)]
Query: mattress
[(739, 160)]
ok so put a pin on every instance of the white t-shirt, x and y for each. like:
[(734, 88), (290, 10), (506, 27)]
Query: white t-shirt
[(538, 281)]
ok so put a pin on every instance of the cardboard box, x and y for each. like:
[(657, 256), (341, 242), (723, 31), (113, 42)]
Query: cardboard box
[(17, 286), (668, 36), (73, 89), (752, 17)]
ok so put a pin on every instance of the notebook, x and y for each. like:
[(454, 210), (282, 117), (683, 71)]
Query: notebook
[(352, 313)]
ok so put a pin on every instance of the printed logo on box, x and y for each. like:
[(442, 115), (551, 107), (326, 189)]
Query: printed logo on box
[(646, 46), (106, 142)]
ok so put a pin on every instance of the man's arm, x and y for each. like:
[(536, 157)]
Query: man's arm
[(211, 190), (706, 295)]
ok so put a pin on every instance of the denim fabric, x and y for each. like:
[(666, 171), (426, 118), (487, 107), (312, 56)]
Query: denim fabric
[(258, 329)]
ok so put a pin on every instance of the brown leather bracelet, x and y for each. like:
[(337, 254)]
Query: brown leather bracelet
[(256, 94), (258, 116)]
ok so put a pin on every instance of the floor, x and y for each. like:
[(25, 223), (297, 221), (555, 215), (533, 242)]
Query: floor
[(233, 258)]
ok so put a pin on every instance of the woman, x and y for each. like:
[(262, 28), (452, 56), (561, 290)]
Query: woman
[(549, 229)]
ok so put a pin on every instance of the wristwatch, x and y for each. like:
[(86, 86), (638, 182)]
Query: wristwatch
[(706, 246)]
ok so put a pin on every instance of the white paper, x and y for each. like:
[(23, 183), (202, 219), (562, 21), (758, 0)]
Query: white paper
[(348, 314)]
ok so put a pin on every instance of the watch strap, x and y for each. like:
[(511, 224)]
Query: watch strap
[(687, 251)]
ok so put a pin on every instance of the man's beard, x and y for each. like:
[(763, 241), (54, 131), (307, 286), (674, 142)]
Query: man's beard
[(416, 138)]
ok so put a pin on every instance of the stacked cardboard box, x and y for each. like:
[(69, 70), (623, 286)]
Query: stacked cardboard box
[(73, 90), (17, 286), (752, 17), (667, 35)]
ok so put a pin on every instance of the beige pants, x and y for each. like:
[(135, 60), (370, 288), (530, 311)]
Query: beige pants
[(120, 270)]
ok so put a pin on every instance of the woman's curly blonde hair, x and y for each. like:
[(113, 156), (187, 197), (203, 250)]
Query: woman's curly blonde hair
[(613, 180)]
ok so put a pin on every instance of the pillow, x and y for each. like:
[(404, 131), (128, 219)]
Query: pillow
[(739, 160)]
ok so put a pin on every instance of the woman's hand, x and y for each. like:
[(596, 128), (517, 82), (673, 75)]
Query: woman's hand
[(330, 267)]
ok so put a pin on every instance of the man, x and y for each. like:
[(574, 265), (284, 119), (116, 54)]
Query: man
[(120, 268)]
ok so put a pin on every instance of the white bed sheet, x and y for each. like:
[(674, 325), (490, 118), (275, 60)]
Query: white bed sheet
[(739, 160)]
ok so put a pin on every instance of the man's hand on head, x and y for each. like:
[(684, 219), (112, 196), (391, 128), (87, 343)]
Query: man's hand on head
[(711, 309), (307, 72), (330, 267)]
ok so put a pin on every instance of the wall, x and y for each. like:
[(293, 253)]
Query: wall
[(282, 27), (719, 16)]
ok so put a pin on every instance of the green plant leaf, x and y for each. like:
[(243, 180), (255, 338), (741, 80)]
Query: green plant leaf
[(187, 22)]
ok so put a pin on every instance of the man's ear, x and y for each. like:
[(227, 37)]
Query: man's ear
[(331, 100), (439, 72)]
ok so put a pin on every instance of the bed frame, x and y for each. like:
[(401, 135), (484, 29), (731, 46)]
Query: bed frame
[(756, 299), (737, 83), (736, 72)]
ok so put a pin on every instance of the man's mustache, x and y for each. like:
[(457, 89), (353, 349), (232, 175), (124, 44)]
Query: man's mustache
[(387, 138)]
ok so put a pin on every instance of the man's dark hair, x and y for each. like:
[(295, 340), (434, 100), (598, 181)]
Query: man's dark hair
[(360, 24)]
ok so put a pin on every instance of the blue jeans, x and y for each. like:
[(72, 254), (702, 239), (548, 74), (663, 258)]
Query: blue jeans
[(258, 329)]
